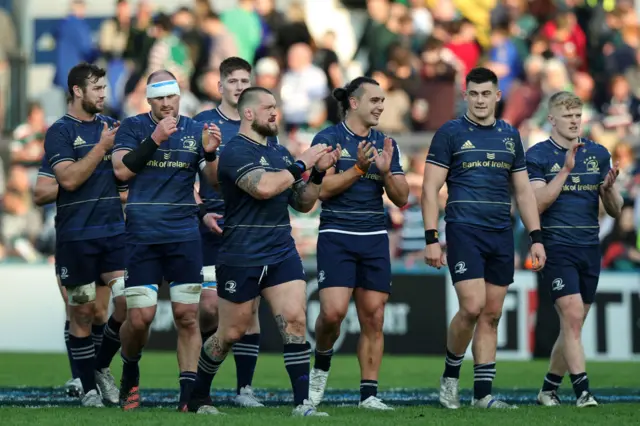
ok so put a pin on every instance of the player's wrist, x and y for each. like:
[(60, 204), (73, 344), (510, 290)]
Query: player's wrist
[(359, 170), (536, 236), (202, 211), (210, 157), (316, 176), (296, 170), (431, 236), (156, 138)]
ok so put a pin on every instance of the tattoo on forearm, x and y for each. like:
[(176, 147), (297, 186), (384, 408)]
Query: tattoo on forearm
[(249, 182), (216, 348), (287, 337), (303, 196)]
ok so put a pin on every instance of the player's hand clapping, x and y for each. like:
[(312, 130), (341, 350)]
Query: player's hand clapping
[(611, 177), (366, 155), (433, 256), (108, 136), (165, 128), (311, 156), (570, 157), (211, 137), (383, 160), (329, 159)]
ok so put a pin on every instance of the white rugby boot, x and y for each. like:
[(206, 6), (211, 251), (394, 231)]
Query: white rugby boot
[(92, 399), (107, 386), (374, 403), (317, 385), (247, 398), (548, 398), (490, 402), (73, 388), (586, 400), (307, 409), (449, 393)]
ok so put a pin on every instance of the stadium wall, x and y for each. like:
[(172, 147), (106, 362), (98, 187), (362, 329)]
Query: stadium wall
[(32, 316)]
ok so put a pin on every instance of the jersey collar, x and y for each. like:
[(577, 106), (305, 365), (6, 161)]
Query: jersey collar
[(481, 126), (224, 117), (348, 130), (76, 119)]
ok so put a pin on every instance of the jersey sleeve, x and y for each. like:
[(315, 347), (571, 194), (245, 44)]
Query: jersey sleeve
[(441, 149), (519, 163), (58, 146), (535, 168), (323, 138), (606, 164), (45, 169), (396, 166), (237, 162), (126, 137)]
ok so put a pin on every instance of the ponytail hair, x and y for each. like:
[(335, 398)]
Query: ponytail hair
[(351, 90)]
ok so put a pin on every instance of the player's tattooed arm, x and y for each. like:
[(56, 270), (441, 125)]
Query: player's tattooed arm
[(263, 185), (304, 196), (289, 332)]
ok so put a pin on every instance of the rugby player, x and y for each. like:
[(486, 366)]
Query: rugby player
[(89, 221), (235, 76), (259, 181), (158, 154), (46, 192), (353, 246), (570, 175), (478, 157)]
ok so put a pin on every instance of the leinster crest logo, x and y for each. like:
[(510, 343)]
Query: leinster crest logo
[(592, 164), (189, 143), (510, 145)]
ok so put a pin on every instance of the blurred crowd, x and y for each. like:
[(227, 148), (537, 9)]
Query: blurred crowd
[(418, 50)]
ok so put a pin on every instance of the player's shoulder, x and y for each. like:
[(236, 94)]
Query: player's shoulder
[(540, 148), (453, 126), (207, 115), (105, 118), (504, 127), (593, 146), (136, 120), (331, 134)]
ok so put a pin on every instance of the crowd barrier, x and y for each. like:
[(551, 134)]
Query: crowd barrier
[(423, 302)]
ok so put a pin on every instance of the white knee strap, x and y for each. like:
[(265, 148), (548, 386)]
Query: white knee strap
[(117, 286), (81, 294), (187, 293), (209, 278), (142, 296)]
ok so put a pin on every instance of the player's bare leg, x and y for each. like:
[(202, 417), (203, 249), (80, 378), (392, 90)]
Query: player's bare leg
[(245, 354), (81, 314), (234, 320), (288, 303), (208, 312), (557, 369), (334, 303), (484, 347), (370, 306), (471, 297), (111, 337)]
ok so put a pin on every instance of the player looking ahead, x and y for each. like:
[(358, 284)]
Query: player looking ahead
[(235, 77), (478, 157), (158, 154), (570, 175), (89, 218), (258, 256), (353, 245)]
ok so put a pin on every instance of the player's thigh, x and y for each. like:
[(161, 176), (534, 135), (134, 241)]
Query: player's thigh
[(234, 319), (589, 272), (182, 267), (63, 291), (336, 263), (560, 276), (472, 296), (142, 277), (288, 302), (113, 264), (370, 307), (373, 270), (465, 258), (77, 264), (499, 266)]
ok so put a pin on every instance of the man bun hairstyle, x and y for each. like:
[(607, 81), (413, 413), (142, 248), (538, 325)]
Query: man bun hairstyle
[(353, 89)]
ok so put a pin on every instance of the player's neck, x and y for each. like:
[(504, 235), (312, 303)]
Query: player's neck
[(562, 141), (489, 121), (228, 111), (248, 132), (357, 127), (76, 111)]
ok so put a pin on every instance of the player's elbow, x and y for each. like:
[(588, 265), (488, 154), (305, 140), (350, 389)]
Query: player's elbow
[(68, 182), (41, 197), (121, 172)]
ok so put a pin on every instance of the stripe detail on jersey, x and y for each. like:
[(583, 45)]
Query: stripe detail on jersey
[(62, 160), (46, 174), (250, 169), (339, 231), (93, 200), (437, 164)]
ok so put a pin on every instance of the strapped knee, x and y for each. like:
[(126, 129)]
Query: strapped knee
[(117, 286), (143, 296), (209, 278), (81, 294), (187, 293)]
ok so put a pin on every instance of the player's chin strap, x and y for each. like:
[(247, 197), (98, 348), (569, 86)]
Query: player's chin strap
[(162, 89)]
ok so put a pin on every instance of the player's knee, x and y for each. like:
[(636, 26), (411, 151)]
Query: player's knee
[(491, 317), (140, 319), (293, 322), (187, 320), (372, 319), (100, 313), (572, 320), (120, 308), (470, 312), (82, 315), (209, 303), (332, 316), (233, 334)]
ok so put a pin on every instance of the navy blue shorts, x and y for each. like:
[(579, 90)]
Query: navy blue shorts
[(179, 263), (474, 253), (82, 262), (239, 284), (572, 270), (346, 260)]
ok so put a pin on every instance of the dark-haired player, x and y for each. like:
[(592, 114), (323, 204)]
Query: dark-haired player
[(570, 175), (235, 77), (478, 157), (258, 256), (89, 220), (353, 246), (46, 192), (159, 154)]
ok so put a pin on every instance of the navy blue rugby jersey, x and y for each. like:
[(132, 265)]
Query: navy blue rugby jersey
[(94, 209), (160, 206), (572, 219), (256, 232), (359, 209), (480, 160)]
